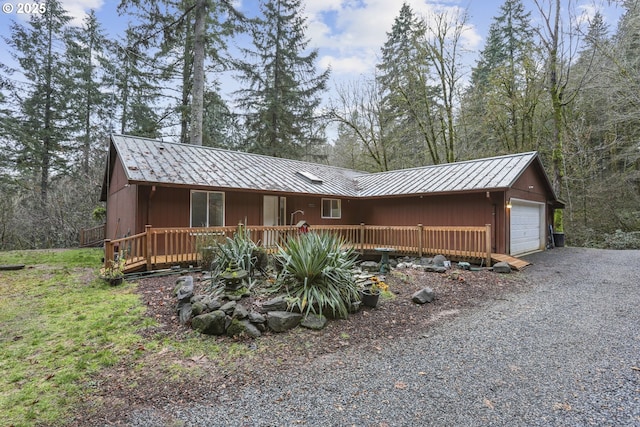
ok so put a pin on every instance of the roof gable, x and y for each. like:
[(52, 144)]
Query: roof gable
[(166, 163)]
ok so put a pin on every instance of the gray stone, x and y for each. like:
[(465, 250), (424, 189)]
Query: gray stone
[(275, 304), (435, 269), (423, 296), (369, 266), (255, 317), (464, 265), (242, 328), (280, 321), (184, 288), (439, 260), (502, 267), (213, 323), (314, 321), (198, 308), (240, 312), (185, 312), (229, 307), (212, 303)]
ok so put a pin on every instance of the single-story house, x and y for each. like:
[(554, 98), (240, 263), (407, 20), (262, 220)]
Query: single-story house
[(168, 184)]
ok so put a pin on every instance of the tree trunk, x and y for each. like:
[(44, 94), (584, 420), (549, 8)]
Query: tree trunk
[(197, 104)]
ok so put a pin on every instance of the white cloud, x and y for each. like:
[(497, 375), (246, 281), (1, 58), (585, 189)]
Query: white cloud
[(349, 34), (78, 9)]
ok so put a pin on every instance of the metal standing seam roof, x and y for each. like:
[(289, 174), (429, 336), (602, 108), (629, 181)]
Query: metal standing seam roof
[(473, 175), (158, 162)]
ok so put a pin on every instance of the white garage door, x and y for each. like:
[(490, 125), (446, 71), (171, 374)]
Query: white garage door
[(527, 227)]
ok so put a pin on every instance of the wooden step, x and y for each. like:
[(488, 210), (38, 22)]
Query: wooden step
[(515, 263)]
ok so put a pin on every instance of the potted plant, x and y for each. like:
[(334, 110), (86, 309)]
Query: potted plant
[(114, 272), (370, 294)]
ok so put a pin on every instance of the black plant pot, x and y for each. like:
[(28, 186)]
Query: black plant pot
[(369, 299), (115, 281)]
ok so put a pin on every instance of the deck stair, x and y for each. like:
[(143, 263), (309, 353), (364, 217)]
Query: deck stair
[(515, 263)]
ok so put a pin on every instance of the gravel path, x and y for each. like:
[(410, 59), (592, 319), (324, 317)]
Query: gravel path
[(566, 352)]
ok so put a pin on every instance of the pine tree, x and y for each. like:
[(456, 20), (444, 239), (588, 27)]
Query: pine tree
[(283, 90)]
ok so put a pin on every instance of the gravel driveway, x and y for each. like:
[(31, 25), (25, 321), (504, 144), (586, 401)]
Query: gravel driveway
[(565, 352)]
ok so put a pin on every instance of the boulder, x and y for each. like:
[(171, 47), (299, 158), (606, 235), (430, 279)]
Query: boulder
[(229, 307), (502, 267), (280, 321), (314, 321), (213, 323), (212, 303), (242, 327), (185, 311), (435, 269), (274, 304), (240, 312), (184, 288), (255, 317), (370, 266), (198, 308), (423, 296), (439, 260)]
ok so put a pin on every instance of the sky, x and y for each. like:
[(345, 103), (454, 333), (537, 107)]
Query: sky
[(347, 33)]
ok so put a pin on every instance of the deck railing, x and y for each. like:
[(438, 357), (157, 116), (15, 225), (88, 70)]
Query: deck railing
[(92, 236), (157, 247)]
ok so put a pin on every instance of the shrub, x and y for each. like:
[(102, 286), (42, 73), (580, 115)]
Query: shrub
[(318, 274)]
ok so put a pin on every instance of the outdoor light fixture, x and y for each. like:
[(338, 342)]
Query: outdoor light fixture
[(509, 204)]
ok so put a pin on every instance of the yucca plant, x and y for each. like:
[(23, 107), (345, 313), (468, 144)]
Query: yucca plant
[(317, 274)]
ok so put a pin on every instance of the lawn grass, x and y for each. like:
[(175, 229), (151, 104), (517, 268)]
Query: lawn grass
[(60, 323)]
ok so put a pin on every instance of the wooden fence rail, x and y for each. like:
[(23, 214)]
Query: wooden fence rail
[(92, 236), (158, 247)]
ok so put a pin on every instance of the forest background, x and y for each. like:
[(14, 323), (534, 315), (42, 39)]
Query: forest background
[(548, 79)]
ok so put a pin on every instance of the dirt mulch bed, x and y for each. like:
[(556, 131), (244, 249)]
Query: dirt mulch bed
[(157, 378)]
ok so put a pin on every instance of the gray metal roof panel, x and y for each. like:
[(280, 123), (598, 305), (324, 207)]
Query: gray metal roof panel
[(147, 160), (482, 174)]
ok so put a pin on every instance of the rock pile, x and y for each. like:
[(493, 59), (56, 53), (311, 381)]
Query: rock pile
[(227, 315)]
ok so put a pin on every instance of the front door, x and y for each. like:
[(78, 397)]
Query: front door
[(273, 210)]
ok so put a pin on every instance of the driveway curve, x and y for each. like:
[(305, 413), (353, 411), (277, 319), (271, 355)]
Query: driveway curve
[(564, 352)]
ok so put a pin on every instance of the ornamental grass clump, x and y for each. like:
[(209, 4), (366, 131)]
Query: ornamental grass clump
[(317, 274)]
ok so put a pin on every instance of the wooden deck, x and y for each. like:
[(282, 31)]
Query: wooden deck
[(166, 247)]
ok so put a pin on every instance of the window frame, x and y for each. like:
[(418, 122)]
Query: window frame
[(339, 208), (208, 193)]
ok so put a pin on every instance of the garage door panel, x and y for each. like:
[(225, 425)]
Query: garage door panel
[(526, 223)]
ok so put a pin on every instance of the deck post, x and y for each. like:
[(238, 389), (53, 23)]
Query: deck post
[(362, 238), (420, 243), (108, 253), (147, 246), (488, 243)]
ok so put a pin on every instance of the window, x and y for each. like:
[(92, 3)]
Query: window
[(331, 208), (207, 209)]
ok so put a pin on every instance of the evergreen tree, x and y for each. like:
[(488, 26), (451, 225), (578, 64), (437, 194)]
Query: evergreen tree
[(41, 131), (137, 93), (283, 90), (410, 107), (89, 67), (505, 88), (186, 33)]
